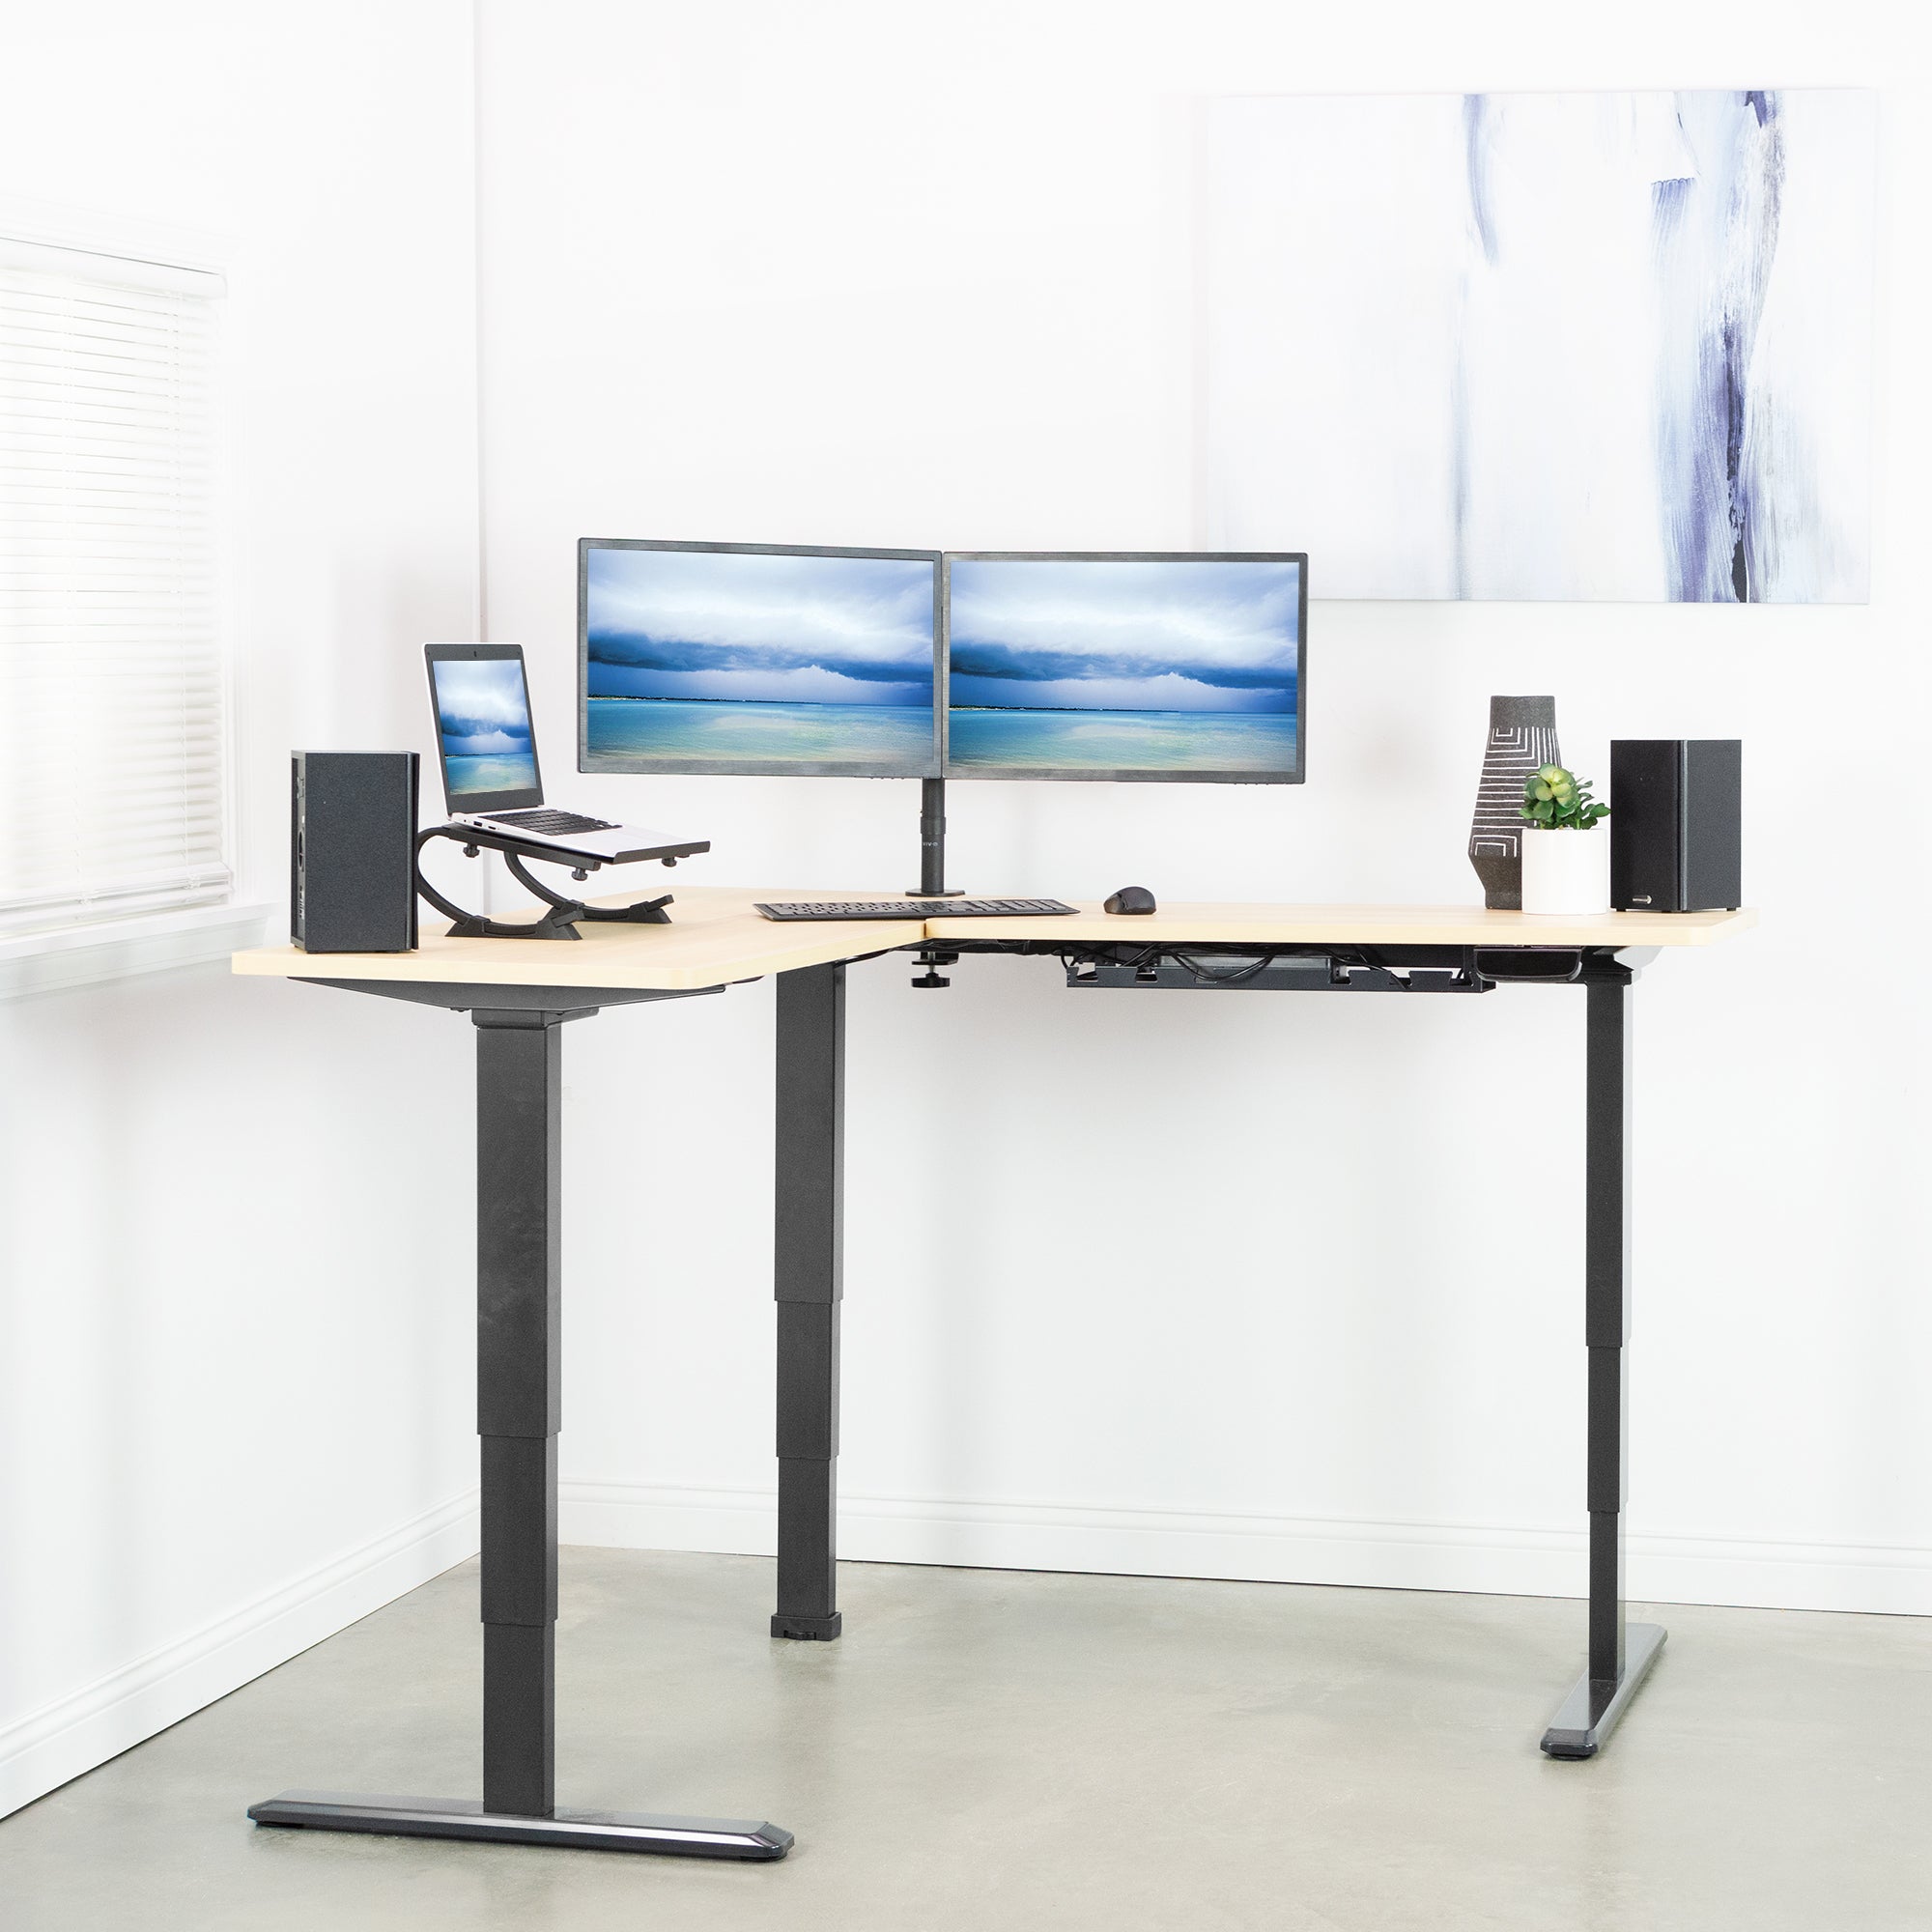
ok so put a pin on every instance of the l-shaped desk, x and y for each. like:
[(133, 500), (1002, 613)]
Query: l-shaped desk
[(519, 994)]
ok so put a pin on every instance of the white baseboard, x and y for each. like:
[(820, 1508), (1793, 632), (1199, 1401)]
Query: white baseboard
[(45, 1749), (1478, 1557), (58, 1741)]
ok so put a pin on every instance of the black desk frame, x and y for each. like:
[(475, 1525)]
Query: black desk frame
[(519, 1115), (808, 1272)]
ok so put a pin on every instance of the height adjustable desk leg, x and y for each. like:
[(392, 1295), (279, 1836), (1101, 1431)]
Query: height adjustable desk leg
[(519, 1395), (519, 1280), (1620, 1655), (808, 1236)]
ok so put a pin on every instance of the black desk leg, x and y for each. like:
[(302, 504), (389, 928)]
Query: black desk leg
[(518, 1397), (807, 1238), (519, 1278), (1620, 1655)]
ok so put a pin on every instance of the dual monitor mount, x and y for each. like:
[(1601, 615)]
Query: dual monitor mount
[(561, 919), (932, 876)]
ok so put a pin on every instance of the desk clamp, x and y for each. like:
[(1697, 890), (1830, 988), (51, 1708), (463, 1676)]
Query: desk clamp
[(560, 921)]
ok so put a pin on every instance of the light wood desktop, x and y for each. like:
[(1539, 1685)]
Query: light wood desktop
[(717, 939)]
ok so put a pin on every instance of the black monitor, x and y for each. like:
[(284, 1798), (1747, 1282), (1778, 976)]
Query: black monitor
[(1183, 666), (757, 659)]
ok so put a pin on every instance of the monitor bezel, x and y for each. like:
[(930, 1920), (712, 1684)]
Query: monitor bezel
[(521, 796), (929, 768), (1135, 775)]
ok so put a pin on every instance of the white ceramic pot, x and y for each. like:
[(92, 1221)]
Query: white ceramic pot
[(1566, 871)]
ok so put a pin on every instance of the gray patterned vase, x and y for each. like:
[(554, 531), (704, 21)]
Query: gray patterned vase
[(1523, 735)]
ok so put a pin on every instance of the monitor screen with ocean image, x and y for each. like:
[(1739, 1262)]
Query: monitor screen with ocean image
[(1127, 667), (754, 658), (483, 722)]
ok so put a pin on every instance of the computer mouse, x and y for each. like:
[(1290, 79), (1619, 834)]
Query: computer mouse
[(1132, 898)]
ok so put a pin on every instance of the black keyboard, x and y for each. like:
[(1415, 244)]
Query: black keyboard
[(552, 823), (915, 909)]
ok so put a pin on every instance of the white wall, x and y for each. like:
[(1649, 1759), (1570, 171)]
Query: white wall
[(234, 1385), (1272, 1287), (1224, 1285)]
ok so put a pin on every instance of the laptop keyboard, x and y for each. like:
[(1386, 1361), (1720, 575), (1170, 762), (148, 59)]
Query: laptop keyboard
[(551, 823)]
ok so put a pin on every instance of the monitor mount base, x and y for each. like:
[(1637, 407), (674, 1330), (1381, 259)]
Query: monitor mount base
[(560, 916)]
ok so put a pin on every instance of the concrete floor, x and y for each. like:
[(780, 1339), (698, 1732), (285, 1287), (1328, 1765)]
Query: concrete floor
[(992, 1749)]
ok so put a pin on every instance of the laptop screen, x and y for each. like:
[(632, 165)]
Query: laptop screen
[(483, 730)]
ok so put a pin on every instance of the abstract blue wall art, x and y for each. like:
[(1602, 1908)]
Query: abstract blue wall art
[(1544, 346)]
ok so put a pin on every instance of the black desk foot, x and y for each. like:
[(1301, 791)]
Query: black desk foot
[(580, 1830), (819, 1629), (1590, 1712)]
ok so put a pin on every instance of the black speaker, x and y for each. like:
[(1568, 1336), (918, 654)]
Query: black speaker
[(352, 851), (1676, 824)]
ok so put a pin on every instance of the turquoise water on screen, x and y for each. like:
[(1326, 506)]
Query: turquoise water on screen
[(622, 731), (491, 772), (1121, 741)]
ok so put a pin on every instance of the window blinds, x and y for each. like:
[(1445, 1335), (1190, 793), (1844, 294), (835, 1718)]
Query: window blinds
[(112, 750)]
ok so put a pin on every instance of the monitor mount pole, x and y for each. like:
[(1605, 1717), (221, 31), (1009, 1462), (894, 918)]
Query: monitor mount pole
[(932, 876), (932, 844)]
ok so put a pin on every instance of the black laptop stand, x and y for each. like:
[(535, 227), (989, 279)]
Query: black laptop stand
[(561, 919)]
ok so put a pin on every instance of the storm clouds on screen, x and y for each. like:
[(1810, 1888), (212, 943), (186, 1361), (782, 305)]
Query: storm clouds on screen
[(1140, 636), (700, 624), (481, 707)]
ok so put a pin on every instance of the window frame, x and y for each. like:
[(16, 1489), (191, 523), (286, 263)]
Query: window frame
[(81, 952)]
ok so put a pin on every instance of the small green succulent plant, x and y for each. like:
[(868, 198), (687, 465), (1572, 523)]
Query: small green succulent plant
[(1558, 801)]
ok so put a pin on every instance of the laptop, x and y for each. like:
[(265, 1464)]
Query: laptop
[(481, 701)]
